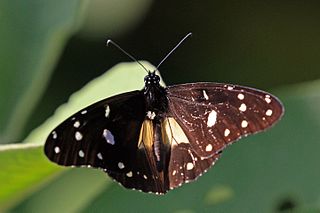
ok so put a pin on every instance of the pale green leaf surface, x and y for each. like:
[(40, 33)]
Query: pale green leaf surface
[(23, 167)]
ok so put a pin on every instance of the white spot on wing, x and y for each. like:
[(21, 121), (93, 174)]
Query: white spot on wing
[(107, 111), (56, 149), (151, 115), (269, 112), (230, 87), (129, 174), (145, 177), (267, 99), (54, 135), (240, 96), (78, 136), (81, 154), (174, 172), (108, 137), (189, 166), (243, 107), (84, 112), (120, 165), (244, 124), (212, 118), (205, 95), (209, 148), (76, 124), (226, 132), (99, 155)]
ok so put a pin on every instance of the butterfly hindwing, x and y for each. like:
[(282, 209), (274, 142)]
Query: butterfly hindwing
[(214, 115), (186, 166)]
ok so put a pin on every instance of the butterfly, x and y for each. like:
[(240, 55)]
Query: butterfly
[(158, 138)]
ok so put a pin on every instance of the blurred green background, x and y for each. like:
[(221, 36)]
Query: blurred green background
[(49, 50)]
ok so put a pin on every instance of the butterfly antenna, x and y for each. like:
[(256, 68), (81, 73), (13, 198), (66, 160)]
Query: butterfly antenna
[(125, 52), (182, 40)]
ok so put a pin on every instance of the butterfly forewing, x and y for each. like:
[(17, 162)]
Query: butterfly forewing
[(98, 135), (110, 135), (214, 115)]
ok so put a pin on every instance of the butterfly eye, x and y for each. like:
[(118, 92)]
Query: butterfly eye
[(147, 80)]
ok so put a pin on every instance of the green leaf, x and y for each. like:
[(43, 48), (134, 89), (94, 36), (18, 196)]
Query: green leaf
[(22, 168), (33, 34)]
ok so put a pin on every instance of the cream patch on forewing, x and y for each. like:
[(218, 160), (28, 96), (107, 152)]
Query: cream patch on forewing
[(212, 118), (173, 132)]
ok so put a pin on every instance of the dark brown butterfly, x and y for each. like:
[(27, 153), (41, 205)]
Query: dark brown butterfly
[(158, 138)]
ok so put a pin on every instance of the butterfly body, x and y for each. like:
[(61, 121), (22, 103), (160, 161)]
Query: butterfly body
[(158, 138)]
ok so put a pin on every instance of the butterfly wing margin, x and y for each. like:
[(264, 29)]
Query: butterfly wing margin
[(215, 115)]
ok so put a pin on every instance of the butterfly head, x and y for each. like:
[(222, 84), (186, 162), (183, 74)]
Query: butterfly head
[(151, 79)]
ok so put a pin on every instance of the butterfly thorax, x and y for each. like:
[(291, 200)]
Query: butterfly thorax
[(155, 97)]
